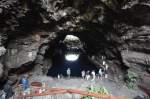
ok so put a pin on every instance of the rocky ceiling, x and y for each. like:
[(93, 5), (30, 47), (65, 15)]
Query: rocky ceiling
[(117, 29)]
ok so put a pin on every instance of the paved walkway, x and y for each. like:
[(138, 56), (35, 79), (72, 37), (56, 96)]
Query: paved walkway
[(116, 89)]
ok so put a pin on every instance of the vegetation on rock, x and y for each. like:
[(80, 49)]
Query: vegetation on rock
[(131, 79), (101, 90)]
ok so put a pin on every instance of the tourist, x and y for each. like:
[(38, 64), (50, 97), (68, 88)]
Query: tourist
[(106, 66), (25, 82), (106, 75), (106, 71), (8, 90), (2, 95), (100, 73), (58, 76), (93, 75), (68, 72), (44, 86), (87, 75), (83, 74), (104, 63)]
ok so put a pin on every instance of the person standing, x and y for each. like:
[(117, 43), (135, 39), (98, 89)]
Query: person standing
[(8, 90), (25, 82), (100, 73), (83, 74), (106, 71), (88, 75), (104, 63), (68, 72), (58, 76), (93, 75)]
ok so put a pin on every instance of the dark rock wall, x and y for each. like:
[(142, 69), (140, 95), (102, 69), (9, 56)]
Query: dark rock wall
[(118, 30)]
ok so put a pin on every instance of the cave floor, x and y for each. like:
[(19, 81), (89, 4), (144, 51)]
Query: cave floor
[(115, 88)]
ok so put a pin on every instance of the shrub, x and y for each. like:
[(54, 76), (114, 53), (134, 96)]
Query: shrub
[(100, 90), (131, 79)]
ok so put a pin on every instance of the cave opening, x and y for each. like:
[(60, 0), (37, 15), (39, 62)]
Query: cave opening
[(63, 58)]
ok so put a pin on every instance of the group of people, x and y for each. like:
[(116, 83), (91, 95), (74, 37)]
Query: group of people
[(8, 92), (102, 72), (26, 88), (93, 75), (87, 75)]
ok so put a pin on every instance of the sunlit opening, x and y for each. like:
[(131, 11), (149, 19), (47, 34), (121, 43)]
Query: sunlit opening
[(71, 38), (72, 57)]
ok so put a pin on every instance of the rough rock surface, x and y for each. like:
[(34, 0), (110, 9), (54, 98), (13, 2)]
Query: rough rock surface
[(26, 49), (21, 51), (105, 29), (2, 50), (136, 60), (134, 46), (1, 70)]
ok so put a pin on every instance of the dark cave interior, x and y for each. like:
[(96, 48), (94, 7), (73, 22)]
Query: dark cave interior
[(60, 65), (32, 34), (57, 52)]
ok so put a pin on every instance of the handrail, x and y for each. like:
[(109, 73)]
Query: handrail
[(54, 91)]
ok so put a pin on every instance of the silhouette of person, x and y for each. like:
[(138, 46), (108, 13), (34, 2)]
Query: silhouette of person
[(68, 72), (93, 75), (25, 82), (87, 75), (100, 73), (83, 74)]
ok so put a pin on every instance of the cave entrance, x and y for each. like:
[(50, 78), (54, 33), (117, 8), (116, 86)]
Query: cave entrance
[(60, 66), (71, 45)]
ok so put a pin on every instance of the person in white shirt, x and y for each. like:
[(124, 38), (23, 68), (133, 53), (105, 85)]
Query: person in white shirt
[(87, 75), (93, 75), (100, 73), (104, 62), (106, 71), (58, 76), (68, 72), (83, 74), (106, 66)]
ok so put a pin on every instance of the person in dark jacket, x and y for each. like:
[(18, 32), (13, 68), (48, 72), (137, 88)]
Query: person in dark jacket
[(8, 90)]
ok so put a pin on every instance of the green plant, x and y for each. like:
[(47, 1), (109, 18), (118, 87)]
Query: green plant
[(100, 90), (131, 79)]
